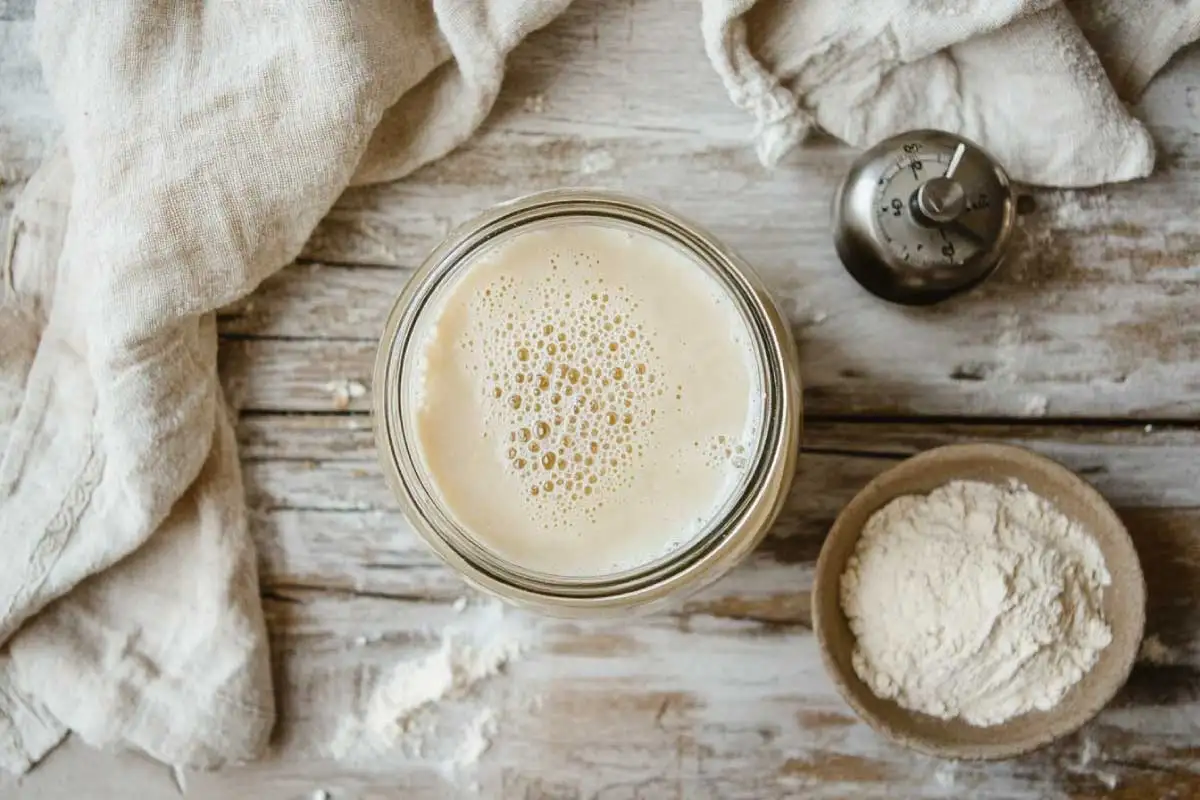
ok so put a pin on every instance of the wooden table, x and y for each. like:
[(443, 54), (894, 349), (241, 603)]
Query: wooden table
[(1085, 347)]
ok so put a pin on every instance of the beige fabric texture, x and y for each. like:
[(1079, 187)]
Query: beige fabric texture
[(203, 142), (1028, 80)]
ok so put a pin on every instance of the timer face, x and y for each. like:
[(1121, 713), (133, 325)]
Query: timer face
[(922, 216), (920, 244)]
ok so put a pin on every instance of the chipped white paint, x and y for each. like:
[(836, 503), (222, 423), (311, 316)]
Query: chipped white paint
[(597, 161), (1036, 405)]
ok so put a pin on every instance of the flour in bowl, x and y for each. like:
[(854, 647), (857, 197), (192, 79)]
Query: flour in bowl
[(976, 601)]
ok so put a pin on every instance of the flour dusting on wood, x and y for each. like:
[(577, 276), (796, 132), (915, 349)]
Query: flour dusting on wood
[(476, 740), (403, 711), (596, 162), (1036, 405), (344, 391), (1153, 651)]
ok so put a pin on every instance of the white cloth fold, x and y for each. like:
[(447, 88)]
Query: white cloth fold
[(1019, 77), (202, 144)]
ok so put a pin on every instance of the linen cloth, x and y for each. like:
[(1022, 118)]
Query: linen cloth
[(1019, 77), (203, 142)]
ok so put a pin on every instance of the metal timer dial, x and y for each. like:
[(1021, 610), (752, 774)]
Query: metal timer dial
[(923, 216)]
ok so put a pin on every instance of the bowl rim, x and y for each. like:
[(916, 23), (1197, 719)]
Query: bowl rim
[(867, 496)]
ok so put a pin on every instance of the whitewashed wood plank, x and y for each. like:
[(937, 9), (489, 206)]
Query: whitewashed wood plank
[(350, 436), (599, 119), (1131, 478), (1089, 319), (723, 698), (1133, 466), (329, 462), (1091, 316), (1079, 377), (665, 707), (296, 375), (370, 552), (380, 554), (325, 518), (306, 437), (609, 705), (317, 301)]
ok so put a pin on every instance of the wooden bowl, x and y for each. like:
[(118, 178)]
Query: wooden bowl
[(1124, 602)]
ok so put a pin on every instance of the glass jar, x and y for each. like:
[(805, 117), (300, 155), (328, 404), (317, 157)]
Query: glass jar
[(727, 538)]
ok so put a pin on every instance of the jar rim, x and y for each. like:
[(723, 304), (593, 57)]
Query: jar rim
[(730, 528)]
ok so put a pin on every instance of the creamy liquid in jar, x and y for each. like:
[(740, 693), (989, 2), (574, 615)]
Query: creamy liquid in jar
[(588, 398)]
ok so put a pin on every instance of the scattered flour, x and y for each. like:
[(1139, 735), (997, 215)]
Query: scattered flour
[(1153, 651), (945, 775), (975, 601), (595, 162), (343, 391), (320, 794), (401, 711), (1089, 752), (1088, 756), (477, 738), (1036, 405), (460, 605), (1073, 209), (535, 103)]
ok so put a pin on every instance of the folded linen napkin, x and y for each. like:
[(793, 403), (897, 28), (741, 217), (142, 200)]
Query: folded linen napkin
[(203, 142)]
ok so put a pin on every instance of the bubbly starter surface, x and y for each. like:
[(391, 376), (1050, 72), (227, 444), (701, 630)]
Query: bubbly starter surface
[(587, 399)]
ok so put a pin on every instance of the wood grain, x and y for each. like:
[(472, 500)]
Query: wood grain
[(1090, 318), (323, 515), (1134, 467), (1086, 336), (686, 705)]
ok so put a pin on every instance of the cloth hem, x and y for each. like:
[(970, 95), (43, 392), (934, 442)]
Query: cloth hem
[(28, 731)]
